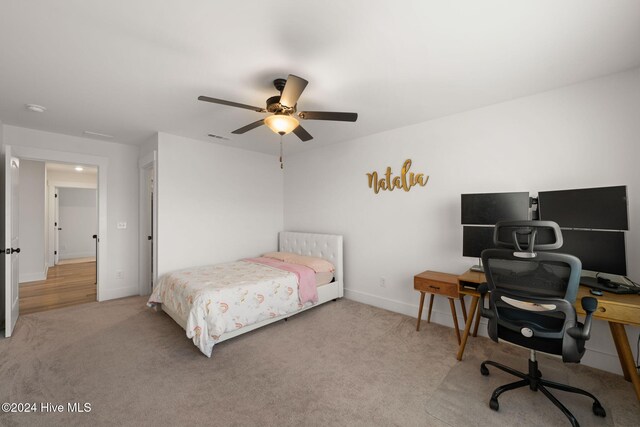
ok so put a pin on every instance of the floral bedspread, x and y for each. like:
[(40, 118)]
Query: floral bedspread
[(222, 298)]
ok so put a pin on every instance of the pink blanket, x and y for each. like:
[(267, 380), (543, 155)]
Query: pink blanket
[(307, 290)]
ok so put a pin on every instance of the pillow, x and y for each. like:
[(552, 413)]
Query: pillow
[(318, 265), (282, 256)]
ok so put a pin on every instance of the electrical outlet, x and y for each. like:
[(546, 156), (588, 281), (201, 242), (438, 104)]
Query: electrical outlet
[(383, 282), (122, 225), (119, 275)]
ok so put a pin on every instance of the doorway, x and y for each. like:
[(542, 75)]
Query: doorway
[(68, 240), (148, 224), (21, 153)]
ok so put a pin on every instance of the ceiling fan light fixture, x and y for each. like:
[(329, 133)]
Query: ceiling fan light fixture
[(281, 124)]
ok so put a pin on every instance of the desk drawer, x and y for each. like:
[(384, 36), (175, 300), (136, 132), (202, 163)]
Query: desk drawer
[(436, 286)]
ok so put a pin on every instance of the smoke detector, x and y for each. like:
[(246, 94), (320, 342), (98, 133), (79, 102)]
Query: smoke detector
[(35, 108)]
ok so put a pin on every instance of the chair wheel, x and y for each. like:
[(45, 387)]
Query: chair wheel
[(493, 404), (599, 410), (483, 370)]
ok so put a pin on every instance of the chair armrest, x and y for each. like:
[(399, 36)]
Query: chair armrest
[(482, 290), (589, 305)]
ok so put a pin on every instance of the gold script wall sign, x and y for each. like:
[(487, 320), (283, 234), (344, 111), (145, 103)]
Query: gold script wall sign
[(406, 180)]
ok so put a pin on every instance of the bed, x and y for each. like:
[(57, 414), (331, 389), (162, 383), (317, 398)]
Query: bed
[(192, 303)]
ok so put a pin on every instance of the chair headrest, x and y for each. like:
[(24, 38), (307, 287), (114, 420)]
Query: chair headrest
[(527, 235)]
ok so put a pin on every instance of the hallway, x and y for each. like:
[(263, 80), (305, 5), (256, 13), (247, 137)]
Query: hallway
[(66, 285)]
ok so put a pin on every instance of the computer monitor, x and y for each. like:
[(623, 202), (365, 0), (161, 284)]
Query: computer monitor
[(489, 208), (476, 239), (591, 208), (600, 251)]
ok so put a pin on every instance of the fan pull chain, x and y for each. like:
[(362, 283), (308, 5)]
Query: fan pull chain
[(281, 164)]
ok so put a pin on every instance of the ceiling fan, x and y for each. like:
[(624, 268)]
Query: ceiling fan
[(283, 107)]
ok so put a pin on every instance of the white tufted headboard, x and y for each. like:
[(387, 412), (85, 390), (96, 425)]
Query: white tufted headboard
[(326, 246)]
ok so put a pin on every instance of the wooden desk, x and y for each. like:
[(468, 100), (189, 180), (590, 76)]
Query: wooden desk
[(438, 284), (618, 310), (468, 282)]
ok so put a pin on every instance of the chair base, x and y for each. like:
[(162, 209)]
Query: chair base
[(534, 380)]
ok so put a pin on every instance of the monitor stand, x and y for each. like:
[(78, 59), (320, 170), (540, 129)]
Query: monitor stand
[(478, 267)]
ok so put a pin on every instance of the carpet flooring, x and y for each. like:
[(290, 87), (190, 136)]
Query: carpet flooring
[(342, 363)]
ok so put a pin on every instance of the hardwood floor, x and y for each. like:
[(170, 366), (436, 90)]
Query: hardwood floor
[(66, 285)]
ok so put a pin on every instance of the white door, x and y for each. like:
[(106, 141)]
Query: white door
[(56, 227), (11, 242)]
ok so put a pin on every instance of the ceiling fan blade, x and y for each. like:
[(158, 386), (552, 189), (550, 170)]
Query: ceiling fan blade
[(302, 134), (231, 104), (292, 90), (248, 127), (328, 115)]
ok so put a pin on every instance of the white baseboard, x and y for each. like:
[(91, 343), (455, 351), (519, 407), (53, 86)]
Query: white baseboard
[(596, 359), (72, 255), (33, 276), (114, 293)]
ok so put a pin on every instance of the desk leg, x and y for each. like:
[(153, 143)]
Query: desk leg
[(467, 327), (455, 319), (431, 297), (464, 308), (420, 310), (475, 328), (625, 356)]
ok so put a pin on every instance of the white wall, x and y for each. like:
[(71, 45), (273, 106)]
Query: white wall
[(32, 196), (78, 214), (580, 136), (122, 197), (215, 203)]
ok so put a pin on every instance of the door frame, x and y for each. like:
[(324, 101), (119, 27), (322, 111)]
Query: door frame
[(52, 190), (43, 155), (56, 223), (145, 163)]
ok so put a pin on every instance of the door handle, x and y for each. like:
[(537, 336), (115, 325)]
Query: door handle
[(14, 250), (149, 237), (59, 228), (95, 236)]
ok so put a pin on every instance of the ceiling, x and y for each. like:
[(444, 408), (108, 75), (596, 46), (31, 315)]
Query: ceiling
[(69, 168), (133, 68)]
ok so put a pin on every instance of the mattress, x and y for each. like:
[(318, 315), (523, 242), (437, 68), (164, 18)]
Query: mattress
[(225, 297), (324, 278)]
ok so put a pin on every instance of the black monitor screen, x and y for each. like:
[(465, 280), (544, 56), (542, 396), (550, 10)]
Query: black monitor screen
[(601, 251), (489, 208), (600, 208), (475, 240)]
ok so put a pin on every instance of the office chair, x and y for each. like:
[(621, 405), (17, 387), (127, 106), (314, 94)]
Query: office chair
[(531, 297)]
